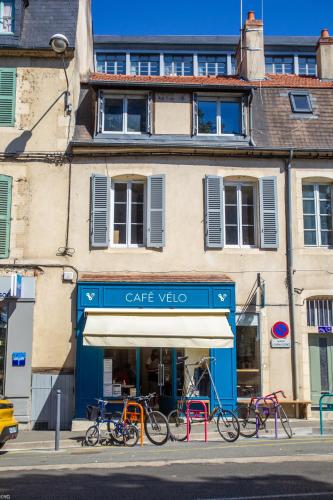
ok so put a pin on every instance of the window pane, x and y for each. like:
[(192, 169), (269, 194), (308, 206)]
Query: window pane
[(6, 22), (309, 222), (248, 235), (207, 117), (308, 207), (231, 215), (119, 234), (120, 213), (230, 118), (310, 238), (301, 102), (325, 207), (325, 222), (137, 213), (136, 115), (113, 115), (230, 194), (325, 192), (326, 238), (231, 235), (308, 191), (247, 195), (137, 234), (120, 192), (248, 215), (137, 193)]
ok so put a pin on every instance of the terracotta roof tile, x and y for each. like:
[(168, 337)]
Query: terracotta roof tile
[(283, 81)]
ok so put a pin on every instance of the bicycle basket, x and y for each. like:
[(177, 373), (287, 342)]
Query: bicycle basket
[(93, 412)]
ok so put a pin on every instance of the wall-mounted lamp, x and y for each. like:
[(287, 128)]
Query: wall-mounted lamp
[(59, 44)]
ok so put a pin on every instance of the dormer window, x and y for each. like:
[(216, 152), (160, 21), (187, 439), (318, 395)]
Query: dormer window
[(300, 102), (219, 115), (6, 16), (124, 114), (178, 65), (280, 65)]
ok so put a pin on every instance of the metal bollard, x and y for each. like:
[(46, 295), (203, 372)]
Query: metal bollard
[(57, 432)]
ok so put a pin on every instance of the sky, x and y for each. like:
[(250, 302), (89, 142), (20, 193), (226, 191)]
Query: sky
[(209, 17)]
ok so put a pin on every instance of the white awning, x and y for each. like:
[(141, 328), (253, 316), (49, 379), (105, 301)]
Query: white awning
[(201, 328)]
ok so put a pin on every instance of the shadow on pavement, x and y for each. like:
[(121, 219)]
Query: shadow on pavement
[(171, 482)]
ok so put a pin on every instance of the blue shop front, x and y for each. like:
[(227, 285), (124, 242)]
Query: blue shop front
[(131, 334)]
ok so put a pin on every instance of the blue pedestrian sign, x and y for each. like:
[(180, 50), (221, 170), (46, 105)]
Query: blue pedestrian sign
[(280, 330), (19, 358)]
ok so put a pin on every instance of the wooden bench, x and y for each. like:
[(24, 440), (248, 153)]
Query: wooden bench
[(300, 405)]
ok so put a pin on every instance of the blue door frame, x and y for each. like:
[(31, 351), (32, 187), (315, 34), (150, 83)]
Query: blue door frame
[(89, 360)]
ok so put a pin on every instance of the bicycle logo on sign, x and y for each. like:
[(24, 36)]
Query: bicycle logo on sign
[(222, 296)]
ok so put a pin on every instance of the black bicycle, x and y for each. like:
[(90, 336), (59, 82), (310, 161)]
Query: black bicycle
[(155, 423)]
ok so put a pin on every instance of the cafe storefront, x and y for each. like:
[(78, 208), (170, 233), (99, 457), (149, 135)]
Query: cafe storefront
[(130, 335)]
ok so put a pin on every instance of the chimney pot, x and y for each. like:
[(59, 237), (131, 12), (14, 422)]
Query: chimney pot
[(251, 16), (325, 33)]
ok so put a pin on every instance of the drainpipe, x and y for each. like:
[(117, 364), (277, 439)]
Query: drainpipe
[(252, 143), (290, 279)]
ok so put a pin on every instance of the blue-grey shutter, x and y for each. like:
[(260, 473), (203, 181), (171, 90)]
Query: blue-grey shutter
[(5, 214), (214, 213), (7, 96), (194, 114), (150, 113), (269, 224), (156, 211), (100, 211)]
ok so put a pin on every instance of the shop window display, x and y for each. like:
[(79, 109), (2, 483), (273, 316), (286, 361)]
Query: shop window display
[(248, 361)]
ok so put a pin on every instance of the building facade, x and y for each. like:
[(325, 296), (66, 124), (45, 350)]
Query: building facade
[(196, 191)]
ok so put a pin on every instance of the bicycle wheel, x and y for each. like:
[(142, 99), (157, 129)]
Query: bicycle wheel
[(177, 425), (131, 435), (228, 425), (115, 429), (157, 428), (92, 436), (285, 422), (247, 421)]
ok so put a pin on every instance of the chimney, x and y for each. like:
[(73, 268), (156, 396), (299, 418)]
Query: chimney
[(250, 53), (325, 56)]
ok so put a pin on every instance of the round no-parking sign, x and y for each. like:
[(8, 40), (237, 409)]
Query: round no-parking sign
[(280, 330)]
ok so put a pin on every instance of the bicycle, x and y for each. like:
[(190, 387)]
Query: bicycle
[(118, 430), (258, 411), (227, 422), (155, 423)]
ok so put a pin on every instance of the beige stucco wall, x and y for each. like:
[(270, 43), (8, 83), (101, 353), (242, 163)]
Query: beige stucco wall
[(172, 113)]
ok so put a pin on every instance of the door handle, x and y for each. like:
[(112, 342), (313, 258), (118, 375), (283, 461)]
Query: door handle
[(161, 372)]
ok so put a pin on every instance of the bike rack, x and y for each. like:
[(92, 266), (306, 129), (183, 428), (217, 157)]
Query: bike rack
[(196, 413), (133, 416), (258, 401), (329, 407)]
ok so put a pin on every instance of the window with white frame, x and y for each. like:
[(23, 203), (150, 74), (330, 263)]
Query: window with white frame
[(319, 312), (127, 213), (6, 16), (280, 65), (212, 65), (114, 64), (317, 214), (178, 65), (307, 65), (240, 214), (125, 114), (219, 116), (145, 64)]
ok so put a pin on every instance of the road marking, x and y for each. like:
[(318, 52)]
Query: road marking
[(163, 463), (285, 495)]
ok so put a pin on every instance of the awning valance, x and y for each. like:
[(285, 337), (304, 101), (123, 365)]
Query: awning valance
[(201, 328)]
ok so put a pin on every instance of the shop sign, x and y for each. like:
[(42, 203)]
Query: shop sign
[(18, 358), (280, 330), (282, 343), (324, 329)]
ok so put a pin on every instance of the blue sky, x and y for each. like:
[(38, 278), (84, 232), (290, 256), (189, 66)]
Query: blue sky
[(182, 17)]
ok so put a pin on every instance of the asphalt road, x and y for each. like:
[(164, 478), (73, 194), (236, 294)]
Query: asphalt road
[(247, 469)]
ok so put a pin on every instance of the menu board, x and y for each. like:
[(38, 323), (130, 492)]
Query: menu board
[(107, 378)]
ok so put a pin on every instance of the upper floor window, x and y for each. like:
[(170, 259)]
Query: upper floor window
[(114, 64), (317, 214), (307, 66), (127, 218), (178, 65), (319, 312), (219, 116), (124, 114), (6, 16), (212, 65), (279, 65), (239, 202), (145, 64), (300, 102)]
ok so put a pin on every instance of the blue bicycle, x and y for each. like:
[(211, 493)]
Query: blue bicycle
[(108, 427)]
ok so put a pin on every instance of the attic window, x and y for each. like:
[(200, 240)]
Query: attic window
[(6, 16), (300, 102)]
